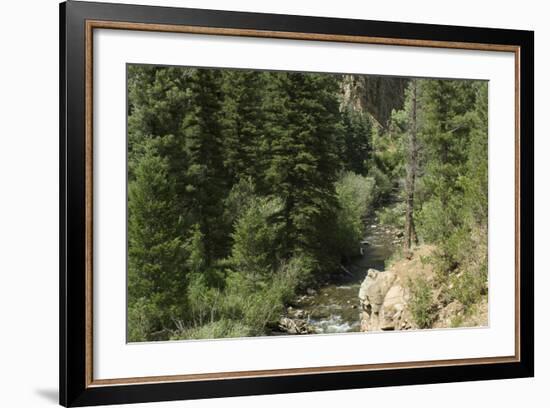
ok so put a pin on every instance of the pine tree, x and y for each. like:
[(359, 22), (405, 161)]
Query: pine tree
[(304, 162), (357, 146), (158, 100), (446, 137), (205, 178), (156, 272), (255, 251), (243, 125), (446, 133), (476, 182)]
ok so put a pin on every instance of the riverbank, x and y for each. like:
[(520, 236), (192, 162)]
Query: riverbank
[(334, 307), (408, 294)]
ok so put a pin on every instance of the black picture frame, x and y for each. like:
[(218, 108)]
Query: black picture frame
[(74, 297)]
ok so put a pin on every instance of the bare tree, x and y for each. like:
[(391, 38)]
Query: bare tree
[(412, 167)]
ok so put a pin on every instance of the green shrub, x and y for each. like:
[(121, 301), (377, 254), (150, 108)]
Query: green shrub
[(256, 237), (296, 274), (203, 301), (241, 195), (421, 304), (148, 319), (214, 330), (246, 306), (383, 183), (469, 287), (455, 239), (457, 321), (392, 216), (140, 320), (263, 309), (355, 195), (263, 306)]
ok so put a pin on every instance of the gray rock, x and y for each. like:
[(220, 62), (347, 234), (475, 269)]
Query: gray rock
[(299, 314), (383, 301), (295, 326)]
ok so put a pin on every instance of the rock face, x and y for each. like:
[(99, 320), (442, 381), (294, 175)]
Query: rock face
[(383, 301), (386, 300)]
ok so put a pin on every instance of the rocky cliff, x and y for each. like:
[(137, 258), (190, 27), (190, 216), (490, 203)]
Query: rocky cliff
[(377, 95), (387, 300), (383, 299)]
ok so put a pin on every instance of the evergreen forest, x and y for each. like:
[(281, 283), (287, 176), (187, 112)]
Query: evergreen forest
[(251, 191)]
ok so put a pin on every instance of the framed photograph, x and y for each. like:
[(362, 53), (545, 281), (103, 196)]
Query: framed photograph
[(256, 203)]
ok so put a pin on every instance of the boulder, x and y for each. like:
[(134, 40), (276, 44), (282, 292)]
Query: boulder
[(299, 313), (383, 302), (295, 326), (374, 288)]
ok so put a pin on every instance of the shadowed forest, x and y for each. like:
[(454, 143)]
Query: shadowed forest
[(258, 202)]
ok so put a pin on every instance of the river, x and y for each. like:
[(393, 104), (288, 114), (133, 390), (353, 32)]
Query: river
[(334, 306)]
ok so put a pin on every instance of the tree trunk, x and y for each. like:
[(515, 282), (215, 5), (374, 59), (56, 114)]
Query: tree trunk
[(412, 150)]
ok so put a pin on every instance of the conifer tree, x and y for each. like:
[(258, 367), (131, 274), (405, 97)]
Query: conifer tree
[(304, 159), (357, 144), (255, 251), (446, 134), (158, 100), (156, 272), (242, 183), (205, 178), (476, 182), (243, 125)]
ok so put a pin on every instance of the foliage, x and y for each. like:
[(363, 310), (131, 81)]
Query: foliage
[(457, 321), (246, 187), (145, 315), (156, 271), (383, 183), (243, 120), (392, 216), (387, 161), (255, 238), (304, 124), (357, 146), (205, 184), (421, 304), (212, 330), (355, 194), (451, 191), (203, 300), (468, 288), (245, 306), (242, 193)]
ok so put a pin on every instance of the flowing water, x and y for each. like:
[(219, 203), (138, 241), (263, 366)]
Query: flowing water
[(334, 307)]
